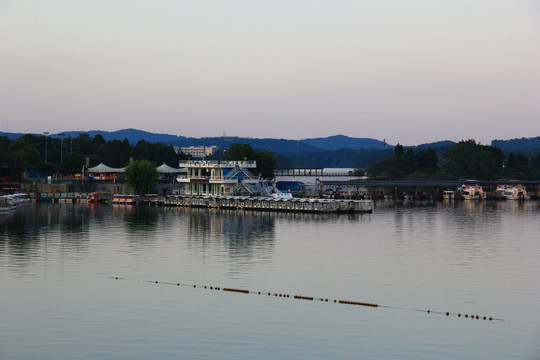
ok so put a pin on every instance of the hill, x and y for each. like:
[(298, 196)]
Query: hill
[(282, 146), (338, 142), (297, 151), (529, 146), (133, 135), (13, 136)]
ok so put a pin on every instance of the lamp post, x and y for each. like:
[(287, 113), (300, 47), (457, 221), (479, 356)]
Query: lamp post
[(45, 133), (61, 145)]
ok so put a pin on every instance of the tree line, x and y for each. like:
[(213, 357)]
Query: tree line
[(466, 160), (67, 155)]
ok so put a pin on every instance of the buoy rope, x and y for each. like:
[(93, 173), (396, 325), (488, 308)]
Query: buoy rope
[(311, 298)]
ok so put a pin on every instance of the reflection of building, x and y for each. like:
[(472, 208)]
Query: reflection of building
[(199, 151), (220, 178)]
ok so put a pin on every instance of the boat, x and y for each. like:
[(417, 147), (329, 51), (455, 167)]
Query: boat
[(448, 195), (20, 198), (512, 192), (471, 192), (272, 191), (7, 204)]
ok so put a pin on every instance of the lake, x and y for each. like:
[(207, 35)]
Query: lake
[(60, 297)]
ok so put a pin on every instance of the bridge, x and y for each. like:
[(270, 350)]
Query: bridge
[(316, 172), (430, 183), (418, 187)]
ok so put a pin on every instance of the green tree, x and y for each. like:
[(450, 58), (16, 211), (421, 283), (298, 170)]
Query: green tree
[(141, 151), (411, 160), (521, 162), (536, 161), (398, 150), (469, 159), (239, 151), (99, 140), (4, 146), (427, 160), (21, 155), (392, 167), (266, 163), (141, 175), (511, 162), (112, 153), (84, 144)]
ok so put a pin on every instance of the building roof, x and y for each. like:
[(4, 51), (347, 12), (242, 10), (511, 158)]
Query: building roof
[(162, 169), (166, 169), (102, 168)]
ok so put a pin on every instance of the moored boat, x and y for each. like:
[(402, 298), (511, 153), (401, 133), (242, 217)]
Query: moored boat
[(7, 203), (448, 195), (512, 192), (472, 192)]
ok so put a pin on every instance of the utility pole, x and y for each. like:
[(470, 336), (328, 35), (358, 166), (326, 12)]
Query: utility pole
[(61, 145), (45, 133)]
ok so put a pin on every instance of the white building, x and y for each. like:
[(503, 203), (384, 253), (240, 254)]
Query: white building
[(220, 178), (199, 151)]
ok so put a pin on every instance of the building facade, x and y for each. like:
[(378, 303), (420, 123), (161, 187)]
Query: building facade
[(199, 151), (220, 178)]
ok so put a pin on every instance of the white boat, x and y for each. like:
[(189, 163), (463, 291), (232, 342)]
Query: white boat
[(7, 203), (20, 198), (472, 192), (512, 192), (448, 195)]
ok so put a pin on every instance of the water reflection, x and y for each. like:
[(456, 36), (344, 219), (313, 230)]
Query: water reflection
[(28, 232), (243, 233), (139, 218)]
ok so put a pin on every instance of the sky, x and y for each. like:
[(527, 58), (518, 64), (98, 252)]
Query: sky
[(408, 72)]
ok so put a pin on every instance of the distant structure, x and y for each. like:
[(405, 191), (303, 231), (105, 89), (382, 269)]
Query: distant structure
[(199, 151), (213, 177)]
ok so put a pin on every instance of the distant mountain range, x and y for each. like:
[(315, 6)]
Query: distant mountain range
[(284, 146), (528, 146)]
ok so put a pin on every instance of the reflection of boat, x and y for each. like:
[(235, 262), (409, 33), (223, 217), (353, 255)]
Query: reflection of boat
[(93, 198), (125, 199), (511, 192), (472, 192)]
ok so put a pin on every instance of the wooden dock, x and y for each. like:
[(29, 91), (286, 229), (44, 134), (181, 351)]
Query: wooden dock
[(271, 204)]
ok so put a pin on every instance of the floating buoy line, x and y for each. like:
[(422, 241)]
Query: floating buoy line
[(311, 298)]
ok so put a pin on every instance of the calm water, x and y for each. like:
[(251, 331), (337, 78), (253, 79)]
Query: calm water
[(59, 298)]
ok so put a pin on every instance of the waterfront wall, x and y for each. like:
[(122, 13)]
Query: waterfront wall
[(89, 187)]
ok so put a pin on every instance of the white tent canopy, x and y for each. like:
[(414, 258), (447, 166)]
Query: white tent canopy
[(166, 169), (102, 168), (163, 169)]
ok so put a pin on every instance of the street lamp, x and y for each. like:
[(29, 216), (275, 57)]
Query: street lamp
[(45, 133), (61, 156)]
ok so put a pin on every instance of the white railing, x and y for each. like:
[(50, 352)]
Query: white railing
[(217, 164), (210, 178)]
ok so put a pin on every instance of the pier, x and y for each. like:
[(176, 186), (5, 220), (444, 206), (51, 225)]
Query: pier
[(416, 189), (271, 204)]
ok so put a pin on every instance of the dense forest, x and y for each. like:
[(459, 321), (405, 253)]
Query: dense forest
[(45, 155), (465, 160)]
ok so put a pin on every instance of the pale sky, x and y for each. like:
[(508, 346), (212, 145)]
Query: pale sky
[(406, 71)]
